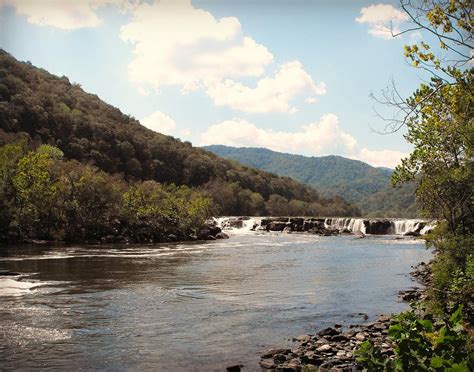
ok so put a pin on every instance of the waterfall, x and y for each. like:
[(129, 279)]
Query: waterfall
[(379, 226), (402, 227), (238, 225), (428, 227), (354, 225)]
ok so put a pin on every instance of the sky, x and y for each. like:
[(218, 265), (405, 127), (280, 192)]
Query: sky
[(291, 76)]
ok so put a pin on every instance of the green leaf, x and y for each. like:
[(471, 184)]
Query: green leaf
[(457, 315), (437, 362)]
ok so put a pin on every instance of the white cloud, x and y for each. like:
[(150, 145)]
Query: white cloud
[(380, 158), (159, 122), (177, 44), (66, 15), (323, 137), (270, 94), (382, 19)]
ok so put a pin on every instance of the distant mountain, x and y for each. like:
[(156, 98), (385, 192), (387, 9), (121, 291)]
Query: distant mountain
[(355, 181), (39, 107)]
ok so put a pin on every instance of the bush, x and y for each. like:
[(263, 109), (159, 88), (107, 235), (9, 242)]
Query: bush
[(422, 344)]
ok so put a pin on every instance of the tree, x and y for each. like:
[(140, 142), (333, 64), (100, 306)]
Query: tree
[(439, 117)]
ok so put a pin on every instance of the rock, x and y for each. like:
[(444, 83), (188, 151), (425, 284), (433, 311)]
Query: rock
[(267, 363), (276, 226), (384, 318), (324, 348), (377, 227), (271, 352), (210, 237), (8, 273), (379, 326), (222, 235), (298, 351), (360, 336), (303, 338), (340, 338), (279, 358), (39, 241), (291, 365), (208, 230), (233, 223), (328, 332), (234, 368), (171, 238)]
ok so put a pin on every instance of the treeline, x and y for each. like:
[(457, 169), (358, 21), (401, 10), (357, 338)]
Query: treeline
[(43, 196), (366, 186), (44, 109)]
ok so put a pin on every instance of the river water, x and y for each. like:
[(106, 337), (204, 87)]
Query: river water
[(201, 306)]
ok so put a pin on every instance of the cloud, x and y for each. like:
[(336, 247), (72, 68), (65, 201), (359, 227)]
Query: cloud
[(270, 94), (323, 137), (159, 122), (65, 15), (177, 44), (382, 19), (380, 158)]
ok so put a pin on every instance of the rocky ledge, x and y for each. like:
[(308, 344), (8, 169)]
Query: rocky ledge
[(333, 349), (330, 349)]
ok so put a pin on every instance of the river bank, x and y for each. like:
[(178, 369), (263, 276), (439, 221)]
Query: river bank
[(334, 348)]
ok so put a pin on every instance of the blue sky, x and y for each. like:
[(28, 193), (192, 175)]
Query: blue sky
[(293, 76)]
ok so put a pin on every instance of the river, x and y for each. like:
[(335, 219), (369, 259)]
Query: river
[(197, 306)]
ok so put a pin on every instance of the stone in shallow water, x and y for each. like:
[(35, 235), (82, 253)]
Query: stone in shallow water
[(267, 363), (234, 368), (328, 332), (271, 352), (303, 338)]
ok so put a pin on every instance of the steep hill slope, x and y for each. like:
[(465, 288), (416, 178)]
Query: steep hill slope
[(358, 182), (44, 108)]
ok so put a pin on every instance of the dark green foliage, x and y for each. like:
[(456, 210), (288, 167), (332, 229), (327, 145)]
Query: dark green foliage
[(353, 180), (44, 108), (422, 344), (46, 197), (392, 202)]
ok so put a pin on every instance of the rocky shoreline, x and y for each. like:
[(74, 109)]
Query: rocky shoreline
[(333, 349), (207, 231)]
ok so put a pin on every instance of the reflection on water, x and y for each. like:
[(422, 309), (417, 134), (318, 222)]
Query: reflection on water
[(190, 306)]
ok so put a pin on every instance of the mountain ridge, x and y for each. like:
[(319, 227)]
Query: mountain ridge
[(354, 180), (40, 107)]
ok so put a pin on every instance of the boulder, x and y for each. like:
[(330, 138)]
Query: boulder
[(328, 332), (271, 352), (324, 348), (276, 226), (208, 230), (234, 368), (8, 273), (377, 227), (267, 363), (303, 338), (222, 235)]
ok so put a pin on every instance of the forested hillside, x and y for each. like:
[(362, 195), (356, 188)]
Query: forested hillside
[(355, 181), (45, 109)]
